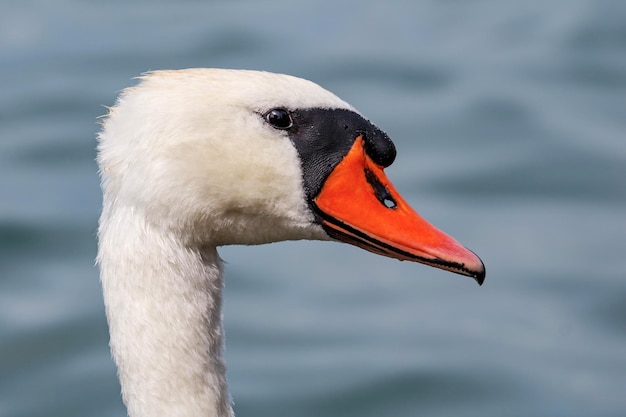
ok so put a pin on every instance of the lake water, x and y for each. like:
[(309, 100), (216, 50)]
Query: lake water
[(510, 121)]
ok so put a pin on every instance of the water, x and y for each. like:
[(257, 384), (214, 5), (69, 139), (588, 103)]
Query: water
[(510, 120)]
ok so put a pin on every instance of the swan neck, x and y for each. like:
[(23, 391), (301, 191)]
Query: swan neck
[(163, 303)]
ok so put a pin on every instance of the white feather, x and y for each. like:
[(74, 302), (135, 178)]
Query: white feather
[(188, 164)]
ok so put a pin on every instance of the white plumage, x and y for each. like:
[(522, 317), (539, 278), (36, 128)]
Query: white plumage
[(188, 163)]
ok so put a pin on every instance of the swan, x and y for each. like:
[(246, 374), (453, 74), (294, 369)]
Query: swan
[(194, 159)]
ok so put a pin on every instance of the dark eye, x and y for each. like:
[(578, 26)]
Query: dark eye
[(279, 118)]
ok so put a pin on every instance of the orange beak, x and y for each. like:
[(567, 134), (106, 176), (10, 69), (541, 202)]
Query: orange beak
[(358, 204)]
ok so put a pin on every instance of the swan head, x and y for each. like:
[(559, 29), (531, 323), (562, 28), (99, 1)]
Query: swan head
[(219, 157)]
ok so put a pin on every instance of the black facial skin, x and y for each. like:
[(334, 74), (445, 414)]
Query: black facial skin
[(323, 138)]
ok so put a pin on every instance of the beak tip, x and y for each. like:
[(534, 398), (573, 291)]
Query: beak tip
[(480, 278), (479, 273)]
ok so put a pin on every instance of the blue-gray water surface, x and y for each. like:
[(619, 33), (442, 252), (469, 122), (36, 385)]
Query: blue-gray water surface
[(510, 121)]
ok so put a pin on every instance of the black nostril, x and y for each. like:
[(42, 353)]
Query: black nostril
[(389, 203), (380, 191)]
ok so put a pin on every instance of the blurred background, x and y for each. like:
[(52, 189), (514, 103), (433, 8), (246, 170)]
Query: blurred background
[(510, 122)]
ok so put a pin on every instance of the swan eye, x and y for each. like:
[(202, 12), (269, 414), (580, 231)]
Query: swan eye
[(279, 118)]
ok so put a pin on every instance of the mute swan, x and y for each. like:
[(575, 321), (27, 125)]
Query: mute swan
[(194, 159)]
